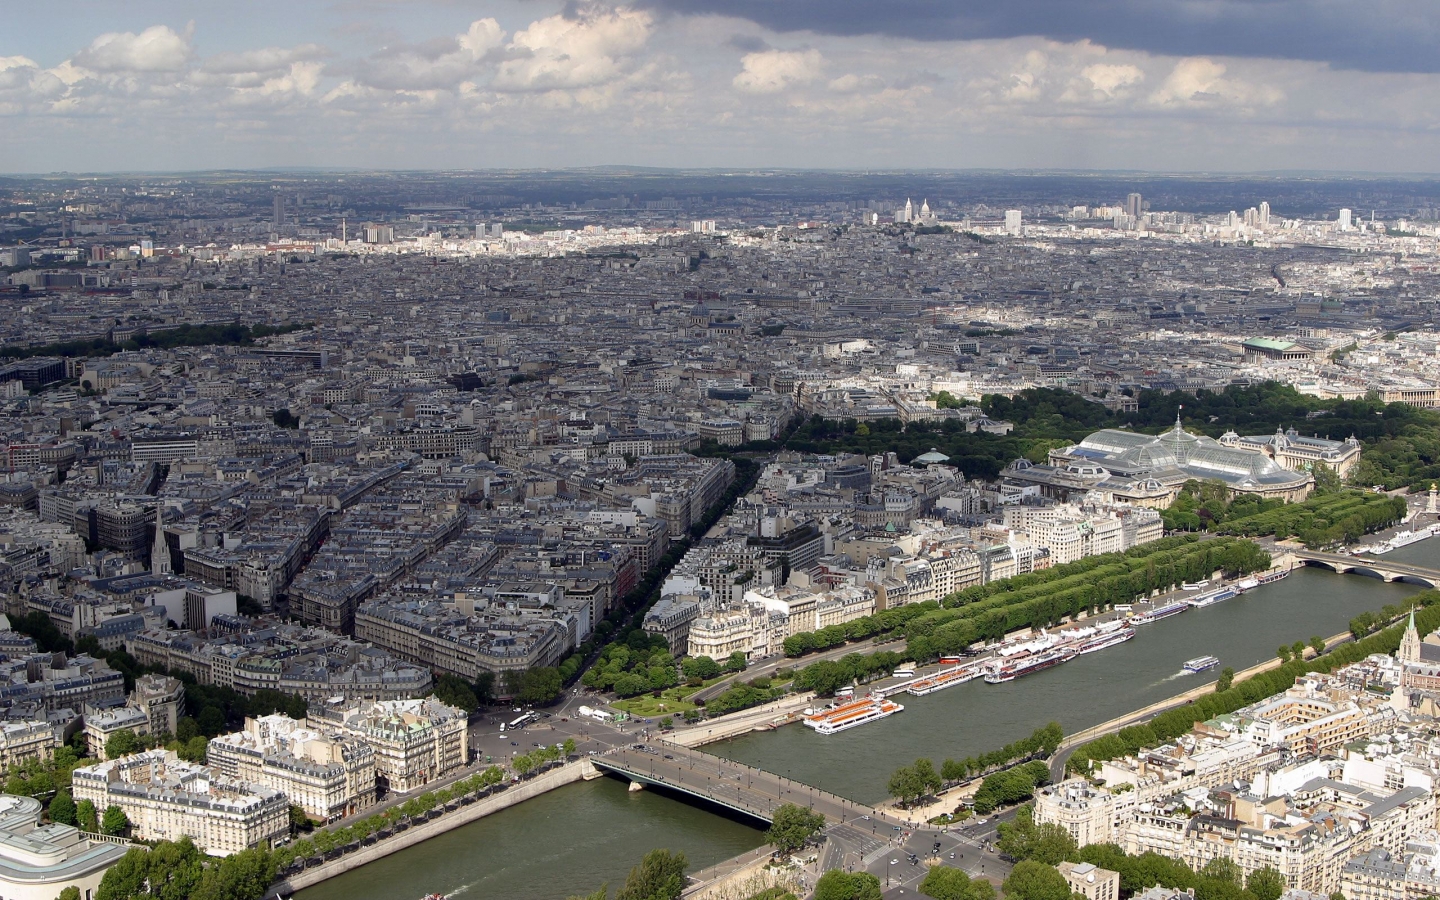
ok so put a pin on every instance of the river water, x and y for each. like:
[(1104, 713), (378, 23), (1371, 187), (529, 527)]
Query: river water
[(570, 840)]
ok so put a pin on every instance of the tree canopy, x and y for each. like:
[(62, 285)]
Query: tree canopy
[(791, 826)]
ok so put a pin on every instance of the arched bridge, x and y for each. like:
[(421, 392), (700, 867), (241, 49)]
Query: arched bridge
[(1374, 568), (735, 786)]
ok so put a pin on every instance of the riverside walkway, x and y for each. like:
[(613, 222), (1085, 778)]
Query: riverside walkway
[(737, 787)]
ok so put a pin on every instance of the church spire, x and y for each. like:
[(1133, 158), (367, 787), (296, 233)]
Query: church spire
[(160, 553), (1409, 651)]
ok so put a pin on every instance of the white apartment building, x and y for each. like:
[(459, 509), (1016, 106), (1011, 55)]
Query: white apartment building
[(414, 741), (328, 775), (166, 798)]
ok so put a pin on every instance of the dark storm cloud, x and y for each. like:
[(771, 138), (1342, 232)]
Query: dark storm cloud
[(1370, 35)]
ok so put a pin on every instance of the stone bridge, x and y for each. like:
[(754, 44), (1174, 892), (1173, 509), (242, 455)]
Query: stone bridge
[(1372, 568)]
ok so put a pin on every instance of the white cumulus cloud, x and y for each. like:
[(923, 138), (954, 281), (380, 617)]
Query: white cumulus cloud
[(587, 48), (1200, 81), (772, 71), (1111, 78), (156, 49)]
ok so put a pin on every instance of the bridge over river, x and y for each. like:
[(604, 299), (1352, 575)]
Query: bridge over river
[(1373, 567), (735, 786)]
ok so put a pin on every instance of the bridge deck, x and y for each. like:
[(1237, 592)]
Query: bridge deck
[(735, 786), (1390, 571)]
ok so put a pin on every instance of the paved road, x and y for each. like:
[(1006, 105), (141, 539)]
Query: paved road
[(903, 861)]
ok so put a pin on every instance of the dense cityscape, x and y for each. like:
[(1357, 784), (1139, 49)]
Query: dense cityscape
[(665, 450)]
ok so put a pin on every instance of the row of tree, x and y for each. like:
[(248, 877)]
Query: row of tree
[(885, 622), (989, 612), (1039, 848), (1323, 520), (326, 841), (1011, 786), (826, 676), (1171, 724)]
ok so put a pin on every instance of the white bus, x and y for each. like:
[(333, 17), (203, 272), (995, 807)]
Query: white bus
[(523, 721)]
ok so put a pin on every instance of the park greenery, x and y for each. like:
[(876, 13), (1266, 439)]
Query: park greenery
[(1323, 520), (1173, 723), (838, 885), (945, 883), (792, 827), (1402, 443), (910, 784), (1041, 599), (1031, 880), (1010, 786), (166, 339), (178, 869), (1038, 848)]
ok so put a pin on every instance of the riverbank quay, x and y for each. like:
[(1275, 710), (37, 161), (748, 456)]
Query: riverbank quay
[(765, 717), (447, 820)]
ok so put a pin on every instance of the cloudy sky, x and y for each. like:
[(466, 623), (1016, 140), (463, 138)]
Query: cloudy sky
[(1162, 85)]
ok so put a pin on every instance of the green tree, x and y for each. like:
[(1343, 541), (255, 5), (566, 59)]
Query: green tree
[(944, 883), (599, 894), (838, 885), (909, 783), (568, 746), (1266, 884), (70, 893), (1317, 643), (1048, 843), (1031, 880), (211, 721), (736, 662), (87, 817), (791, 827), (1297, 650), (455, 691), (114, 822), (186, 729), (121, 743), (1222, 869), (62, 808), (299, 819), (540, 685), (659, 876), (127, 878), (1284, 653), (175, 869), (1226, 679)]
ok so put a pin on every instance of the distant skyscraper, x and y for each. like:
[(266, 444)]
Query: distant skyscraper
[(1343, 223), (1134, 205), (278, 218), (480, 232), (1012, 221), (1264, 213), (497, 229)]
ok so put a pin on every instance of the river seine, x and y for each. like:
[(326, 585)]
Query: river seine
[(570, 840)]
